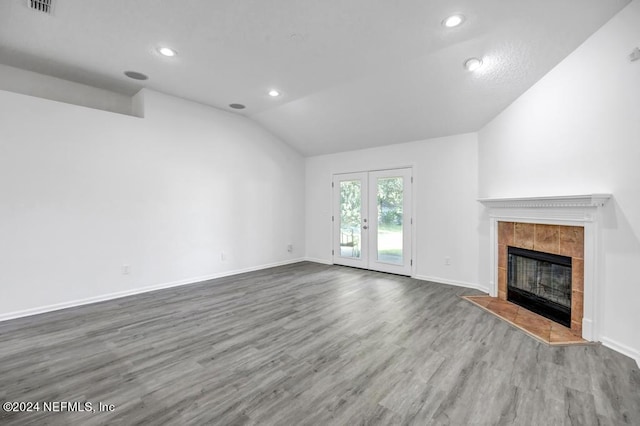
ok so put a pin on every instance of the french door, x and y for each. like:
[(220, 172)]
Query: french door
[(372, 220)]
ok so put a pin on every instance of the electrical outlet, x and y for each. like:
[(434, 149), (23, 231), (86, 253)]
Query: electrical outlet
[(447, 261), (223, 256), (290, 248), (126, 269)]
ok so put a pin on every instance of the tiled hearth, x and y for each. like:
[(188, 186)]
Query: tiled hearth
[(533, 324)]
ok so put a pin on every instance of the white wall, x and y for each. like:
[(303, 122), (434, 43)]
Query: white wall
[(44, 86), (86, 191), (577, 131), (445, 192)]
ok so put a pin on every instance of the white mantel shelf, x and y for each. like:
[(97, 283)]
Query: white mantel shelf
[(558, 201)]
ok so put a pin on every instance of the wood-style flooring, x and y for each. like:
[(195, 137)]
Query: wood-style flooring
[(306, 344)]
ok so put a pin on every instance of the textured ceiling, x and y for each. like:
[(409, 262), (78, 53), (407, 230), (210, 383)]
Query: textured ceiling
[(353, 73)]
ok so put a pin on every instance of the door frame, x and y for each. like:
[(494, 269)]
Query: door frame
[(414, 222)]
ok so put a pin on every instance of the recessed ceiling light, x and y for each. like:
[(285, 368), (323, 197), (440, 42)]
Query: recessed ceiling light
[(453, 21), (167, 51), (274, 93), (237, 106), (136, 75), (472, 64)]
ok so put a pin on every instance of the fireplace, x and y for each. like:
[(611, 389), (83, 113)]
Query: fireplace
[(528, 255), (566, 225), (541, 283)]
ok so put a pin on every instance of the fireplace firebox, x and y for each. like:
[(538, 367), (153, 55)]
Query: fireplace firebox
[(540, 282)]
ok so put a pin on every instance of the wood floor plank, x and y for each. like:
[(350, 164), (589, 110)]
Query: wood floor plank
[(306, 344)]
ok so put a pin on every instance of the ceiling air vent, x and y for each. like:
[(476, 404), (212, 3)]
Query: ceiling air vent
[(43, 6)]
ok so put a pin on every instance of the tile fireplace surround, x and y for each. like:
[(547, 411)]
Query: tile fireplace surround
[(556, 239), (565, 225)]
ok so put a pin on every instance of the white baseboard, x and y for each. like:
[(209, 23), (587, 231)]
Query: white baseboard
[(316, 260), (623, 349), (120, 294), (587, 330), (452, 282)]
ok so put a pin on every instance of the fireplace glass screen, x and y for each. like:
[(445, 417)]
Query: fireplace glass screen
[(540, 282)]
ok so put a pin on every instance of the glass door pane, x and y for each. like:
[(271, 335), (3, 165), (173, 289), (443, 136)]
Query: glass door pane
[(350, 230), (390, 200), (350, 218), (389, 243)]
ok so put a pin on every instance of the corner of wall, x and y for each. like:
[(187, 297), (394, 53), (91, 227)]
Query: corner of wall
[(137, 104)]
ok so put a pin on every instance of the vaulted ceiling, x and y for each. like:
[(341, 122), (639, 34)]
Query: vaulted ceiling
[(352, 73)]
